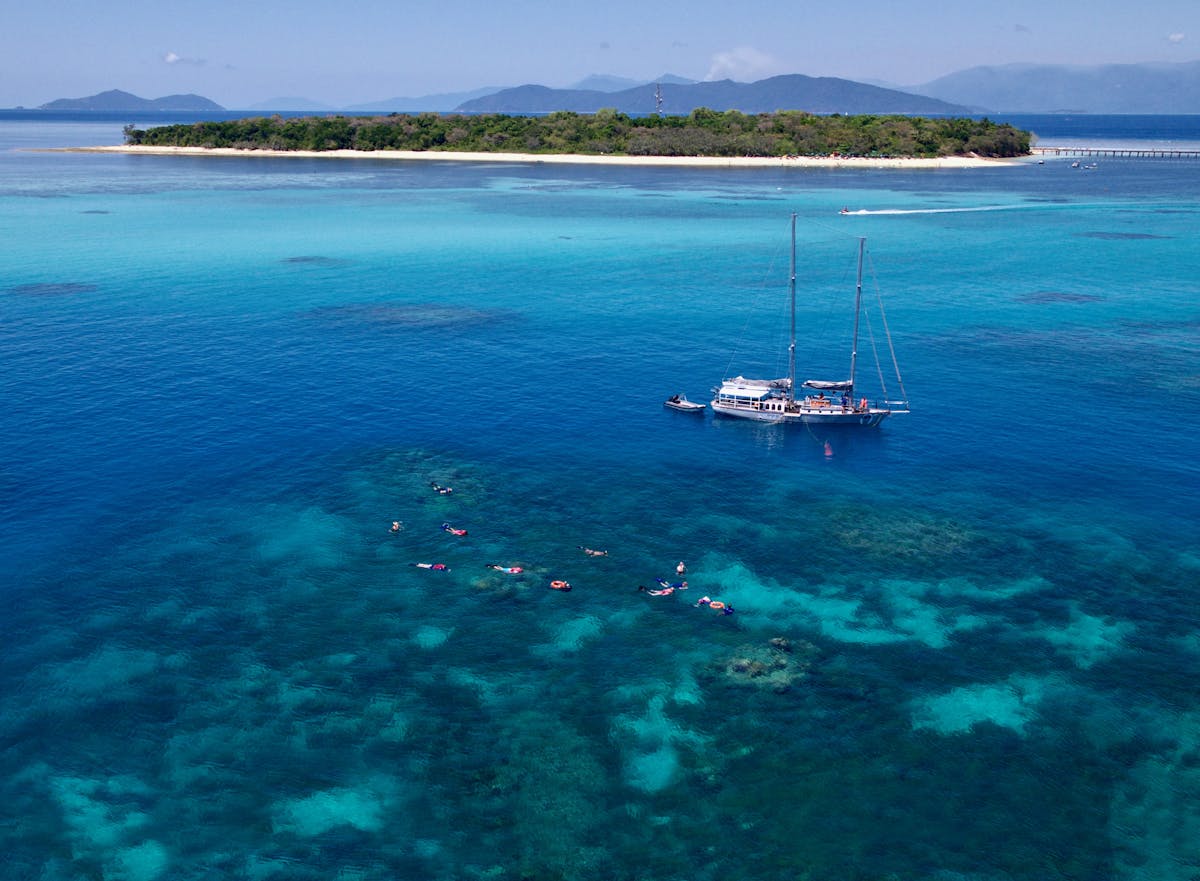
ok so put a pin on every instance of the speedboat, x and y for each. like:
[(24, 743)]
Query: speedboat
[(683, 405)]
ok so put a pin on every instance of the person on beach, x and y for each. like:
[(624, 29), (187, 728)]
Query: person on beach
[(507, 570), (437, 567), (592, 552)]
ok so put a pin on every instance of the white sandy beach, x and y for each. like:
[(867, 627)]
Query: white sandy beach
[(576, 159)]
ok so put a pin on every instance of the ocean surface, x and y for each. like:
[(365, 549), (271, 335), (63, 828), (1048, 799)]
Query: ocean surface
[(965, 645)]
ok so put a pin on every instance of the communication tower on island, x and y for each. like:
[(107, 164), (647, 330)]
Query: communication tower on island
[(658, 99)]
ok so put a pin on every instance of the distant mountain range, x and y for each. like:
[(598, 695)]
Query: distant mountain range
[(306, 104), (790, 92), (117, 101), (1011, 88), (455, 100), (1047, 88), (440, 103)]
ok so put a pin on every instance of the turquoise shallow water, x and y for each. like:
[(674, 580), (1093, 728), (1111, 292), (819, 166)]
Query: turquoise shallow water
[(965, 645)]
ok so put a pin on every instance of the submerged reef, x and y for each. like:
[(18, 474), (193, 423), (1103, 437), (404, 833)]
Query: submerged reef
[(314, 260), (890, 534), (405, 315), (53, 289), (1037, 297), (776, 665)]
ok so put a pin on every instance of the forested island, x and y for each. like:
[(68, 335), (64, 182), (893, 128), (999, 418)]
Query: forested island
[(703, 132)]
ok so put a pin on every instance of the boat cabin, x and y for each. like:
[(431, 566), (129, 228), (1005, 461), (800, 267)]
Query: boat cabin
[(752, 395)]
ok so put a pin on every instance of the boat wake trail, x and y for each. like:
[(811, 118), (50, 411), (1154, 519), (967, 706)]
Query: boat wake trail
[(864, 211)]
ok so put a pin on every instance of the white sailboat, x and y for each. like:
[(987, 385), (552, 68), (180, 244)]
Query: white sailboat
[(775, 400)]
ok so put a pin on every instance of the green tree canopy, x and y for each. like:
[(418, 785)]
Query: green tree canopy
[(703, 132)]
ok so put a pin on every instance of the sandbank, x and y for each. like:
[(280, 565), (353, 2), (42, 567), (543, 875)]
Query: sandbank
[(575, 158)]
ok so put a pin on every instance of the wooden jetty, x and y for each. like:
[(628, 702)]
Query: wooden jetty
[(1120, 152)]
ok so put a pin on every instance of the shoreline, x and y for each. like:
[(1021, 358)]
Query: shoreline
[(575, 158)]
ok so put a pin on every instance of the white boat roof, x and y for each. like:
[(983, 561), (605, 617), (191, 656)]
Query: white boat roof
[(742, 382), (733, 389)]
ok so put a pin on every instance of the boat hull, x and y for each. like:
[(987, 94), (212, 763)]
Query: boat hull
[(681, 404), (805, 415)]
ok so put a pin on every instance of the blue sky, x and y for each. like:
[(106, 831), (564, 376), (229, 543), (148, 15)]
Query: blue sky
[(242, 52)]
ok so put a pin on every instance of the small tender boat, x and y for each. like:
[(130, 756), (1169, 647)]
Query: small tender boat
[(683, 405)]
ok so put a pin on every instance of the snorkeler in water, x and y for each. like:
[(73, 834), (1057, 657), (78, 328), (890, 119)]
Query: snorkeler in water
[(446, 527), (442, 490), (666, 591), (592, 552), (677, 585), (437, 567), (507, 570)]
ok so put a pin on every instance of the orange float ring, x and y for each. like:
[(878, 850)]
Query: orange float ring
[(716, 604), (560, 585)]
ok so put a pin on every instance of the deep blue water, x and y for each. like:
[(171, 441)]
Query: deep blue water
[(965, 645)]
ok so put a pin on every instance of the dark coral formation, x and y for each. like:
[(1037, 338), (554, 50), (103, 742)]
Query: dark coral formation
[(776, 665)]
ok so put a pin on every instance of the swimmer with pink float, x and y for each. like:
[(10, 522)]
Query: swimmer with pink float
[(507, 570)]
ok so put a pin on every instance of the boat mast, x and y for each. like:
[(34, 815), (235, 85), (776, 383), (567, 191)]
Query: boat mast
[(862, 244), (791, 392)]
